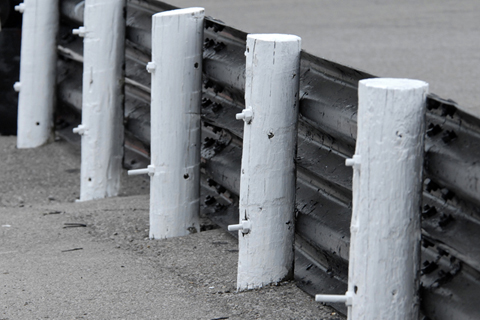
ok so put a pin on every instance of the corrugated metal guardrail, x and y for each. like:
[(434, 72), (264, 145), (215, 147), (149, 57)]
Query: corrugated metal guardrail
[(327, 133)]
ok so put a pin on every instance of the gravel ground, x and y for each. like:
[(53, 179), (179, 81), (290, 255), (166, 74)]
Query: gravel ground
[(93, 260)]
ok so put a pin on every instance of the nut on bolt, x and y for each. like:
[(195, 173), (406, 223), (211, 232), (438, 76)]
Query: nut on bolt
[(209, 200), (433, 129), (208, 43), (447, 194), (445, 220), (206, 102), (219, 46), (208, 84), (448, 109), (449, 136), (430, 185), (217, 88), (208, 142)]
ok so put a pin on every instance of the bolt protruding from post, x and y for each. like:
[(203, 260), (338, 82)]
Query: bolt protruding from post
[(81, 31), (80, 129), (150, 170), (335, 298), (355, 162), (151, 67), (17, 86), (245, 226), (20, 7), (246, 115)]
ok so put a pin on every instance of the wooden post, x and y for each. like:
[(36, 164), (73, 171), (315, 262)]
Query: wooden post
[(102, 106), (387, 191), (37, 72), (268, 174), (176, 68)]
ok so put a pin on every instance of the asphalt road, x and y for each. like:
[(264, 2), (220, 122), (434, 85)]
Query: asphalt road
[(435, 41), (93, 260)]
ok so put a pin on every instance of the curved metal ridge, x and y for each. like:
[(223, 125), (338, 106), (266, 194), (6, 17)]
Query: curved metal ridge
[(327, 134)]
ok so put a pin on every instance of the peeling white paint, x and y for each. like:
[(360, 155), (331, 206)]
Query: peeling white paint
[(37, 72), (267, 188), (176, 68), (102, 109), (387, 187)]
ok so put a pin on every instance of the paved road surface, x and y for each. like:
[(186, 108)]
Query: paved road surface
[(435, 41), (109, 269)]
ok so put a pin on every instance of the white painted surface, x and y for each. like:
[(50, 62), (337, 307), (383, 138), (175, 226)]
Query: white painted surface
[(37, 72), (102, 109), (150, 170), (267, 187), (244, 226), (176, 68), (387, 187), (334, 298)]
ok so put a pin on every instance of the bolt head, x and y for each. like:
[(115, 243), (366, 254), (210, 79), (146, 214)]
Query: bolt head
[(151, 67), (17, 86), (20, 7), (246, 115)]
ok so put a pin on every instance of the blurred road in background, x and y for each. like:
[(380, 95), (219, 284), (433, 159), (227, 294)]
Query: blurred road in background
[(434, 41)]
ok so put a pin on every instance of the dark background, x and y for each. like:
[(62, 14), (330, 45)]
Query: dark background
[(10, 38)]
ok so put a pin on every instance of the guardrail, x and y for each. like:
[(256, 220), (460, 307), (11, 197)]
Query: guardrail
[(327, 132)]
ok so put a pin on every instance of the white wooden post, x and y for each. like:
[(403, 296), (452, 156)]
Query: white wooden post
[(176, 68), (37, 72), (268, 175), (387, 189), (102, 106)]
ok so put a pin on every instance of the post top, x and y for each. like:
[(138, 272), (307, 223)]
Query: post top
[(277, 37), (393, 83), (194, 11)]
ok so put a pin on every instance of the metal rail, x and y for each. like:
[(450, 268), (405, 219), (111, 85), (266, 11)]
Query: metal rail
[(327, 133)]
